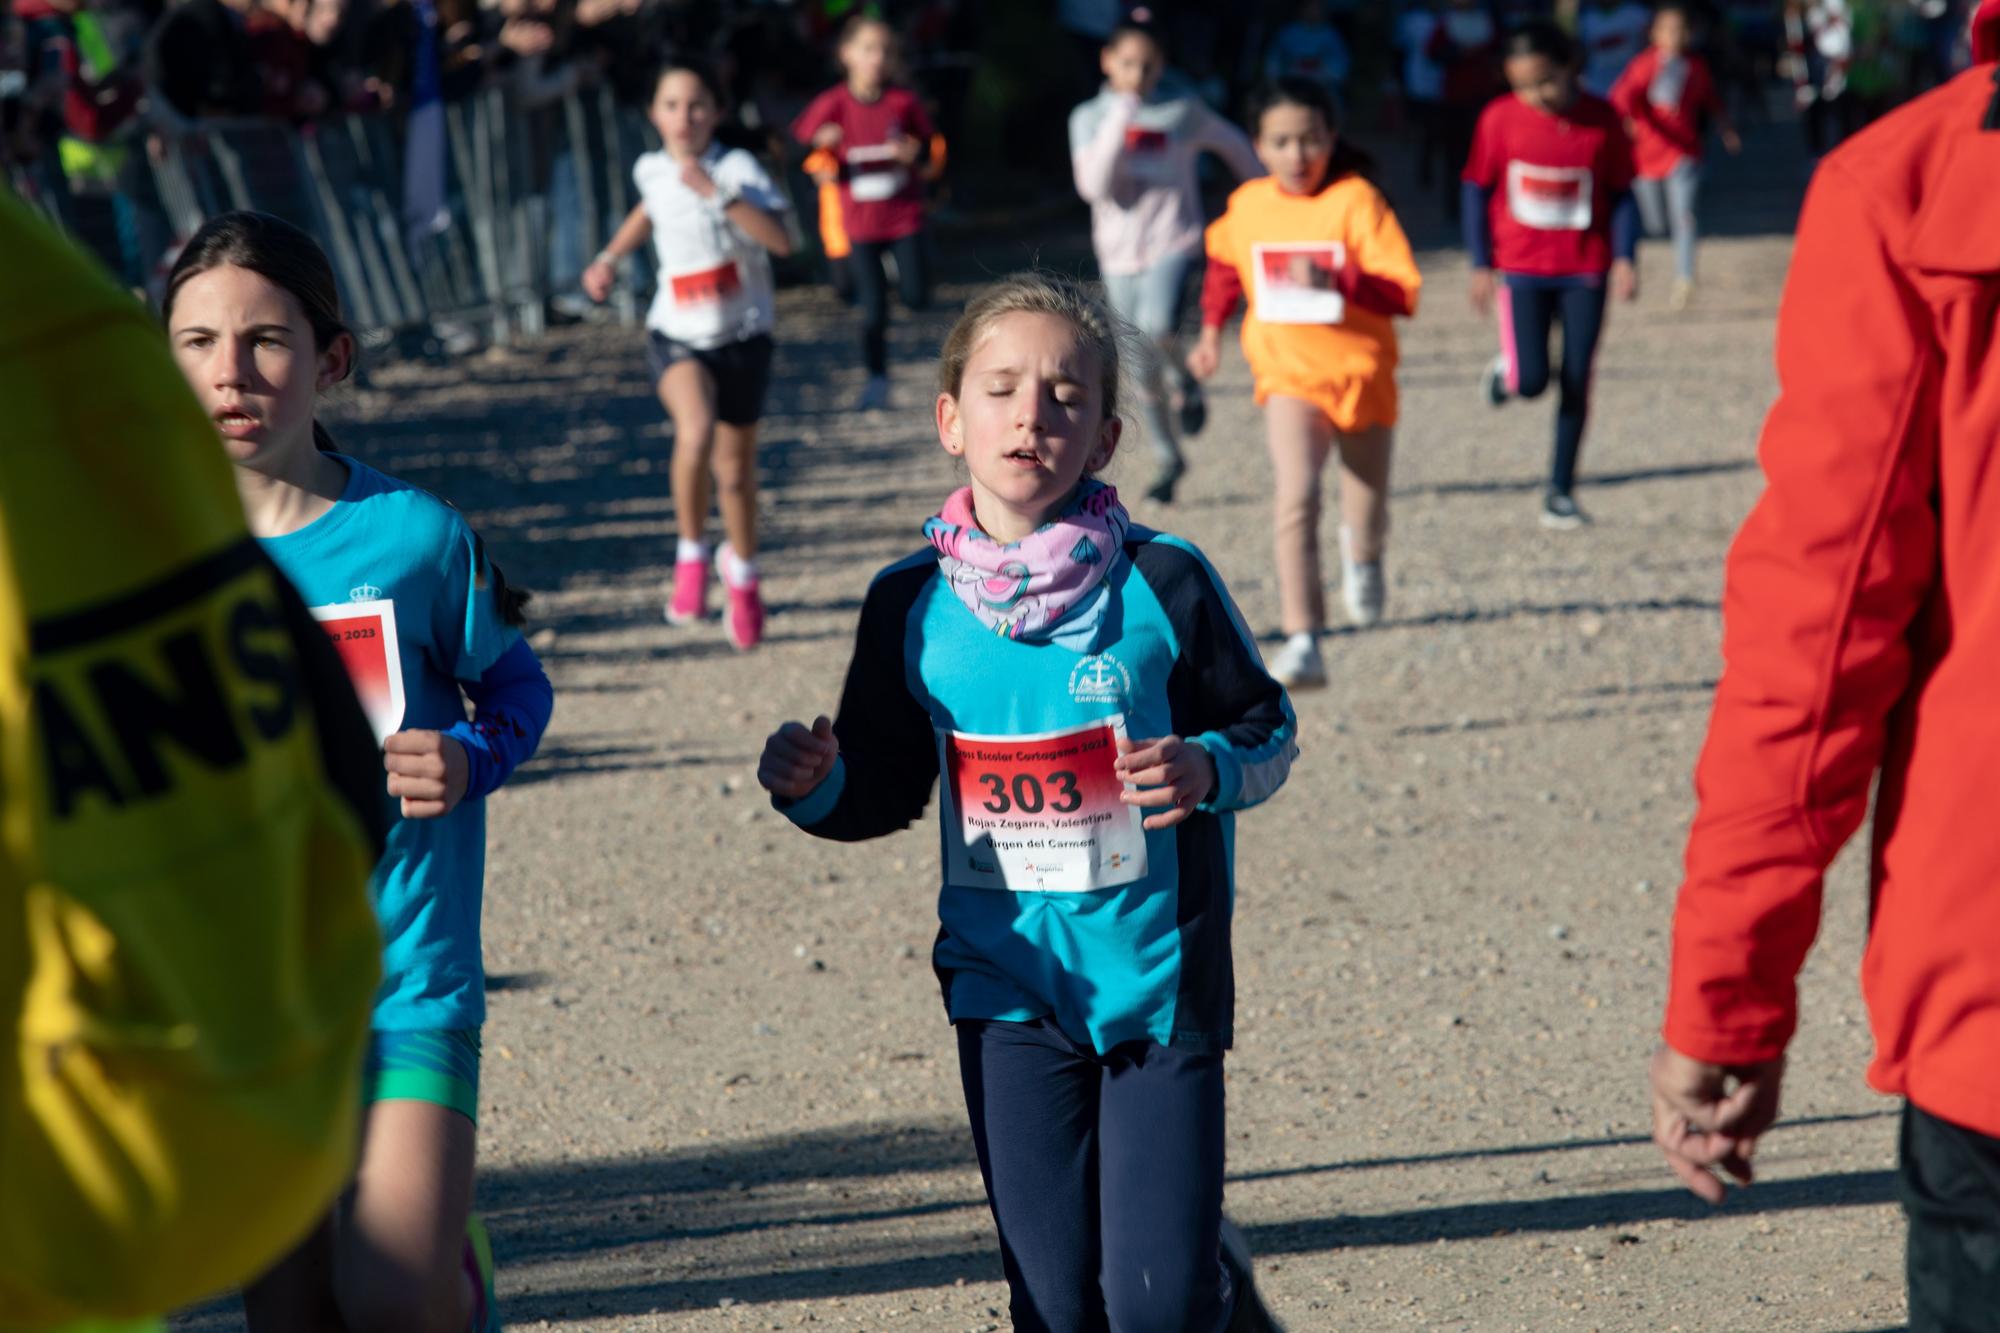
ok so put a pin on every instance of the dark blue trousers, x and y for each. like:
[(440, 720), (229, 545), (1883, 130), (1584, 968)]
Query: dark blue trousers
[(1530, 308), (1105, 1176)]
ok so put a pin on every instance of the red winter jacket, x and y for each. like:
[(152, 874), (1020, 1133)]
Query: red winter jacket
[(1861, 627)]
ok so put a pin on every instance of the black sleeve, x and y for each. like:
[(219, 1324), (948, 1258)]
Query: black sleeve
[(888, 747)]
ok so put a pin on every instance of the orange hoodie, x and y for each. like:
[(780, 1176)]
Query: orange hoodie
[(1325, 273), (1861, 627)]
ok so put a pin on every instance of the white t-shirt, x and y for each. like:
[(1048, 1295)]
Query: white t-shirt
[(715, 281)]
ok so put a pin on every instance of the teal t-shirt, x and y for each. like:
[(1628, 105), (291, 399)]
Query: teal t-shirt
[(401, 583)]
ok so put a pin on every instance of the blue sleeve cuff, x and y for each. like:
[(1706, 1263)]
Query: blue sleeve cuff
[(818, 803), (1474, 224), (1228, 772), (511, 703), (1625, 226)]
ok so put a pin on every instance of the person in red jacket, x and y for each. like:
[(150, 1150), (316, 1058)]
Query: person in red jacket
[(881, 133), (1665, 95), (1861, 636)]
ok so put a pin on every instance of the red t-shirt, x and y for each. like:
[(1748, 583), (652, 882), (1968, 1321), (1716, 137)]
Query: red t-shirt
[(1664, 106), (880, 198), (1553, 178)]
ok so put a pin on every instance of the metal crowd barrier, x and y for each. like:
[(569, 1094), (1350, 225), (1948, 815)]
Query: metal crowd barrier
[(342, 180)]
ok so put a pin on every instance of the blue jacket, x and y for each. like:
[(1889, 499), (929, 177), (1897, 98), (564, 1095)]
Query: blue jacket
[(1054, 902)]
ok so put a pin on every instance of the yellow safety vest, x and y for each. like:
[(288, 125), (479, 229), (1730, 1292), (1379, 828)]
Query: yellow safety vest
[(187, 953)]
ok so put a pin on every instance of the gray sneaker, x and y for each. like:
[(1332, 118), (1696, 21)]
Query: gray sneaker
[(1298, 665), (1493, 384), (1561, 513)]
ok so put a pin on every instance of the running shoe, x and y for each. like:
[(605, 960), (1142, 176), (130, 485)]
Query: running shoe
[(1298, 665), (1365, 590), (689, 602), (1493, 384), (744, 616), (1249, 1314), (1560, 513), (1162, 489), (874, 394), (1683, 295), (479, 1267), (1194, 408)]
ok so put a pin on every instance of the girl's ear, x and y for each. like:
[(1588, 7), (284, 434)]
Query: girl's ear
[(336, 363), (951, 431), (1107, 444)]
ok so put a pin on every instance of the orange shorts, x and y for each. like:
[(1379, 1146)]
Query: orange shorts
[(1352, 405)]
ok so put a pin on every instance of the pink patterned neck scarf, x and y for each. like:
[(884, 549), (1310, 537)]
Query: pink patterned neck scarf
[(1033, 589)]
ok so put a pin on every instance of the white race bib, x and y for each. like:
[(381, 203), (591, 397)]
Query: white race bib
[(1549, 198), (364, 634), (874, 174), (1039, 814), (1299, 283)]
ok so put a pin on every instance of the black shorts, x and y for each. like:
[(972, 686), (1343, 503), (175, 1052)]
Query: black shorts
[(741, 370)]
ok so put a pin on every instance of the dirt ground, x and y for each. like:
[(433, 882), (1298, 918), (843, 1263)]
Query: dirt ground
[(719, 1092)]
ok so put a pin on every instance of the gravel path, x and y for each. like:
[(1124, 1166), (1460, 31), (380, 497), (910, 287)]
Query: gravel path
[(719, 1092)]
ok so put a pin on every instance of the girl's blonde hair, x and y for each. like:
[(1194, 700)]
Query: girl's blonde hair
[(1037, 292)]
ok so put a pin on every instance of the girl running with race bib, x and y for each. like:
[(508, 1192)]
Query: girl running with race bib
[(881, 135), (1097, 712), (716, 219), (1326, 267), (1665, 94), (1134, 155), (424, 621), (1550, 225)]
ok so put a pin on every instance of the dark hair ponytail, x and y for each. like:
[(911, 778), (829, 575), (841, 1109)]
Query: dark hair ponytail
[(1540, 37), (278, 252), (1349, 159)]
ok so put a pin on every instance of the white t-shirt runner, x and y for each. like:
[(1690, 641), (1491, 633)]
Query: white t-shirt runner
[(715, 283)]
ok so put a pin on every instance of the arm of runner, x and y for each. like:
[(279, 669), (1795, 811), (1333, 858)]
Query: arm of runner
[(1220, 136), (632, 233), (511, 705), (1094, 153), (1381, 273), (1821, 587), (1243, 718), (809, 128), (880, 757)]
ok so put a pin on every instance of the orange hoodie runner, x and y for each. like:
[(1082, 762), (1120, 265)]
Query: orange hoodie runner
[(1325, 273), (1861, 627)]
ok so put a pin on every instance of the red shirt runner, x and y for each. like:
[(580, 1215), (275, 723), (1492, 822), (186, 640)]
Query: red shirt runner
[(1666, 130), (880, 198), (1552, 178)]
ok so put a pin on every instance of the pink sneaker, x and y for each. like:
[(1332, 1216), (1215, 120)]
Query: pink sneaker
[(690, 600), (745, 616)]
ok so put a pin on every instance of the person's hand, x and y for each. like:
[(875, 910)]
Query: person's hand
[(1708, 1116), (527, 37), (826, 136), (1205, 357), (828, 177), (428, 770), (1480, 291), (796, 760), (695, 176), (905, 149), (1624, 280), (1169, 772), (1732, 141), (598, 279)]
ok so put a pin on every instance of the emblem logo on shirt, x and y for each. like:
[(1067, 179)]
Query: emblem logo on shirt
[(1100, 679), (366, 592)]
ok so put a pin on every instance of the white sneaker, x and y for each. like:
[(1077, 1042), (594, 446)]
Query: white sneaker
[(874, 394), (1298, 665), (1493, 383), (1362, 586)]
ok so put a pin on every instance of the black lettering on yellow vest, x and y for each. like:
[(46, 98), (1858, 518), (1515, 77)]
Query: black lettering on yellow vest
[(276, 669), (195, 715), (73, 763)]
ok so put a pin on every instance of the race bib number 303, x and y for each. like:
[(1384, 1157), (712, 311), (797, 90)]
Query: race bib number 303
[(1039, 814)]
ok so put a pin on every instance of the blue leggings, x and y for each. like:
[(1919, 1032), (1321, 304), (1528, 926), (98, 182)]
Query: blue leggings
[(1105, 1176), (1530, 308)]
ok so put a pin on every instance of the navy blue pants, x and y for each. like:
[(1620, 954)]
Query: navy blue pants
[(1951, 1192), (1530, 308), (871, 290), (1105, 1176)]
